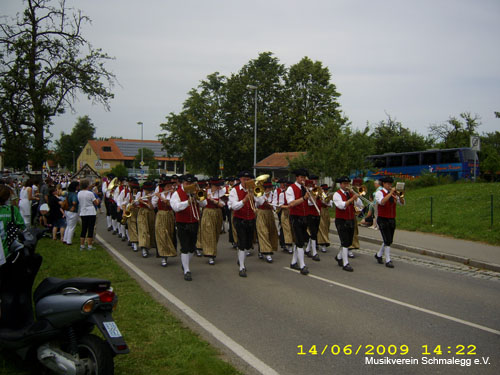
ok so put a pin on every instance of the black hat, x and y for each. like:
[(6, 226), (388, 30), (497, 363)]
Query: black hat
[(134, 184), (122, 178), (216, 181), (343, 179), (387, 179), (301, 172), (313, 177), (175, 177), (325, 187), (246, 174), (188, 178), (110, 176), (148, 185)]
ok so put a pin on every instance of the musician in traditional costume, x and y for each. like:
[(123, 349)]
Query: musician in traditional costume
[(232, 235), (107, 203), (202, 185), (278, 197), (324, 222), (133, 206), (345, 199), (313, 219), (242, 204), (121, 202), (165, 221), (146, 219), (267, 233), (387, 199), (211, 220), (297, 197), (187, 216)]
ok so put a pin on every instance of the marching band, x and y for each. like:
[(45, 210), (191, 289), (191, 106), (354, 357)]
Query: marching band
[(293, 215)]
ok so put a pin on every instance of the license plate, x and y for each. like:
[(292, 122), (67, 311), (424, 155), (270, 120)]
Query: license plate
[(112, 329)]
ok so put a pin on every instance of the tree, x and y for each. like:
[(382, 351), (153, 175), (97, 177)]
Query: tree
[(454, 132), (489, 155), (44, 63), (71, 145), (148, 157), (392, 136)]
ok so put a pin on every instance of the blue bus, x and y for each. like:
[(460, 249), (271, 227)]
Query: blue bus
[(455, 162)]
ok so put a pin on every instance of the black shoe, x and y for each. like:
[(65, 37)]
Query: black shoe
[(199, 253), (339, 261), (164, 262), (129, 243), (234, 245), (316, 258), (348, 268), (269, 259), (261, 256), (187, 276), (351, 255), (323, 250), (243, 273), (110, 229), (379, 259), (304, 270), (308, 254), (295, 266), (115, 232), (389, 264), (124, 238), (211, 261), (145, 252)]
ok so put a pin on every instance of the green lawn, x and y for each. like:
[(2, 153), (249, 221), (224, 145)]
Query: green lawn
[(159, 343), (460, 210)]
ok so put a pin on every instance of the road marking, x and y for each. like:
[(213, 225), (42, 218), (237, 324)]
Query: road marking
[(395, 301), (232, 345)]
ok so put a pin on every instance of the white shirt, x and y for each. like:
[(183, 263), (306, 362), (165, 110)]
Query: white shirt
[(178, 205), (379, 196), (290, 195), (86, 203), (340, 204), (219, 193), (259, 201)]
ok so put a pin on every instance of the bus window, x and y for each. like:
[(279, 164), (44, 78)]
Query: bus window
[(468, 156), (429, 158), (379, 162), (395, 161), (412, 159), (448, 157)]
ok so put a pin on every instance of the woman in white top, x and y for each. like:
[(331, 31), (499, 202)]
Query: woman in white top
[(25, 197), (87, 203)]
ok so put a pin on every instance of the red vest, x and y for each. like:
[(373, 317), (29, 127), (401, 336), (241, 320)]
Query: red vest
[(163, 206), (348, 213), (388, 210), (245, 212), (300, 209), (186, 215), (312, 209)]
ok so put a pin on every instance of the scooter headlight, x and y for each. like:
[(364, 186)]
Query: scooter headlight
[(88, 306)]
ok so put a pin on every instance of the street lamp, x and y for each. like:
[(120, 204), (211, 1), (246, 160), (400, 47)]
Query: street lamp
[(252, 87)]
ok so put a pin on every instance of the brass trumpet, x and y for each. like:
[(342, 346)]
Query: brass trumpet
[(400, 189)]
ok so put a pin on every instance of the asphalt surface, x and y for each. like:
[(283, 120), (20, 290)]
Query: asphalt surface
[(299, 324)]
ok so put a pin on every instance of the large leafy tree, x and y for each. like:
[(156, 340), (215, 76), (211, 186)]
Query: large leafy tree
[(456, 132), (44, 63), (71, 145)]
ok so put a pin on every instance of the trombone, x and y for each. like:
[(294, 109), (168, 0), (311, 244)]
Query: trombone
[(361, 192), (313, 193)]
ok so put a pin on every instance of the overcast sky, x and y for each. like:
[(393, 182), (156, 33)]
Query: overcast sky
[(420, 61)]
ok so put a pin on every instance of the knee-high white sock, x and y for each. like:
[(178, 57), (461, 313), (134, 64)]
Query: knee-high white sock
[(387, 254), (108, 221), (114, 224), (381, 251), (300, 257), (345, 259), (122, 230), (126, 232), (241, 258), (308, 248), (294, 255), (185, 262), (313, 248)]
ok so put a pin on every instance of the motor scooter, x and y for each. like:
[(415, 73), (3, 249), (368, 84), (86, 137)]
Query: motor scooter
[(57, 333)]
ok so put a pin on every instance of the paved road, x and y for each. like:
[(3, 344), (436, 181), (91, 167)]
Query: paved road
[(275, 314)]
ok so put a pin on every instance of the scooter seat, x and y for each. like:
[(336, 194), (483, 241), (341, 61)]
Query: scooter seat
[(52, 285)]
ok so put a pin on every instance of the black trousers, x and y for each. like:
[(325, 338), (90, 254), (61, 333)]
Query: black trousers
[(245, 230), (281, 234), (88, 224), (387, 228), (187, 233), (345, 229), (299, 228), (313, 225)]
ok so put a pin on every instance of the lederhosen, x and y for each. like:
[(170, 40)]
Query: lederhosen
[(298, 218), (386, 219), (344, 221), (244, 221), (165, 229), (187, 224)]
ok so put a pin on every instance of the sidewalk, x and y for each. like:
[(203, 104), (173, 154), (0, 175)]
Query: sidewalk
[(471, 253)]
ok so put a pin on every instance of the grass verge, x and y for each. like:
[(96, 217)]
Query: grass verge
[(159, 343)]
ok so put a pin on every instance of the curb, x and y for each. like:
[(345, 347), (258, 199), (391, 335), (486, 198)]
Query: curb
[(433, 253)]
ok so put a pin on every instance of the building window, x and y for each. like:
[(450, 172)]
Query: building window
[(171, 165), (89, 151), (106, 148)]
